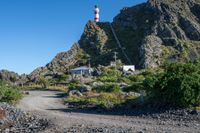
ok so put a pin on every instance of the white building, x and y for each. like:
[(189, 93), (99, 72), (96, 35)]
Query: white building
[(127, 68), (81, 71)]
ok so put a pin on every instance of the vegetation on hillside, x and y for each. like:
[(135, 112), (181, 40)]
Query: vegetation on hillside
[(103, 100), (8, 93), (178, 85), (175, 85)]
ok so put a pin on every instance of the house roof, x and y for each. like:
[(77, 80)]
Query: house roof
[(81, 68)]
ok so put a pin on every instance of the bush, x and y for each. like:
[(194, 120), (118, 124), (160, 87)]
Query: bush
[(135, 87), (104, 100), (43, 82), (114, 88), (178, 85), (9, 94), (62, 78), (136, 78), (107, 78), (73, 84), (110, 75)]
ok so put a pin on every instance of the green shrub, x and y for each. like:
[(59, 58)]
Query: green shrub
[(136, 78), (114, 88), (104, 100), (125, 80), (110, 75), (107, 78), (9, 94), (73, 84), (44, 82), (178, 85), (62, 78), (135, 87)]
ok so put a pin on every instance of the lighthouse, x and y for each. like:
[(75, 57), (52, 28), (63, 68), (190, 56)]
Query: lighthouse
[(96, 12)]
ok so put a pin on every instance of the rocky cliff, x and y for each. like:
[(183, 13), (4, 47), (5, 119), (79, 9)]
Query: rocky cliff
[(59, 65), (149, 34), (159, 30)]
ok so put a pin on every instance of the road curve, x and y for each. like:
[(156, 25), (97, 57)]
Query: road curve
[(48, 104)]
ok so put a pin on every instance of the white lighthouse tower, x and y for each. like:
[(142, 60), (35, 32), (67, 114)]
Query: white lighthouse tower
[(96, 12)]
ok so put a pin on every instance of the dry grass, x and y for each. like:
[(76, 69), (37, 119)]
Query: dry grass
[(92, 94), (51, 88), (105, 100), (198, 108)]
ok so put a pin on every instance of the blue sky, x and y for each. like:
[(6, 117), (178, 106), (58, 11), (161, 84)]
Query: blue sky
[(32, 32)]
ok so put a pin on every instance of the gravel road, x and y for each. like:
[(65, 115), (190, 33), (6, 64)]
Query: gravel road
[(48, 105)]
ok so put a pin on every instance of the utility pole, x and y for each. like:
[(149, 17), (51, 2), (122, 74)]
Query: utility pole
[(115, 57), (89, 65)]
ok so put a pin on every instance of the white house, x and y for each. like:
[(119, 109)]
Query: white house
[(81, 71), (128, 68)]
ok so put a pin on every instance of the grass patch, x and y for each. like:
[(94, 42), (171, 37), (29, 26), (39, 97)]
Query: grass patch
[(51, 88), (110, 88), (198, 108), (104, 100)]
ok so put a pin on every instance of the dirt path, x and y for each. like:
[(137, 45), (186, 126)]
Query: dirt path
[(48, 104)]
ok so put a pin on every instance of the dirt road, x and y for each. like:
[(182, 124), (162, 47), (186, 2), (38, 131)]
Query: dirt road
[(48, 104)]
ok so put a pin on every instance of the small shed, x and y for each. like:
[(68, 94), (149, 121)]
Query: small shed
[(128, 68), (81, 71)]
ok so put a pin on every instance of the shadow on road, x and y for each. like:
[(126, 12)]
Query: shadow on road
[(144, 111), (57, 95)]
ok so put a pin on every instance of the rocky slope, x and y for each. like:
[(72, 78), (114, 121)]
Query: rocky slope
[(13, 78), (159, 30), (150, 34), (15, 120), (58, 66)]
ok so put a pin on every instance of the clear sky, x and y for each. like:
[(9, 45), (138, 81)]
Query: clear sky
[(32, 32)]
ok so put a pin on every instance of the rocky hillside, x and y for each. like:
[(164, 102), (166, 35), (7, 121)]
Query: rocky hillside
[(59, 65), (159, 30), (150, 34), (13, 78)]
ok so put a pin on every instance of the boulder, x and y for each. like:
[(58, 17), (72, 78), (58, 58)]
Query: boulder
[(75, 92), (84, 88)]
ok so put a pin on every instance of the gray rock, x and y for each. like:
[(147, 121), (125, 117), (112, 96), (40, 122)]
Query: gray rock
[(75, 92), (84, 88), (150, 52)]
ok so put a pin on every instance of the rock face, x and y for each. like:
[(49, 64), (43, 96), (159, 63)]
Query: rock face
[(150, 51), (170, 22), (97, 42), (9, 76), (13, 78), (146, 32)]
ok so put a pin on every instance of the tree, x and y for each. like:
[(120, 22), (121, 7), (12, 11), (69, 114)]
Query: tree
[(43, 82)]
